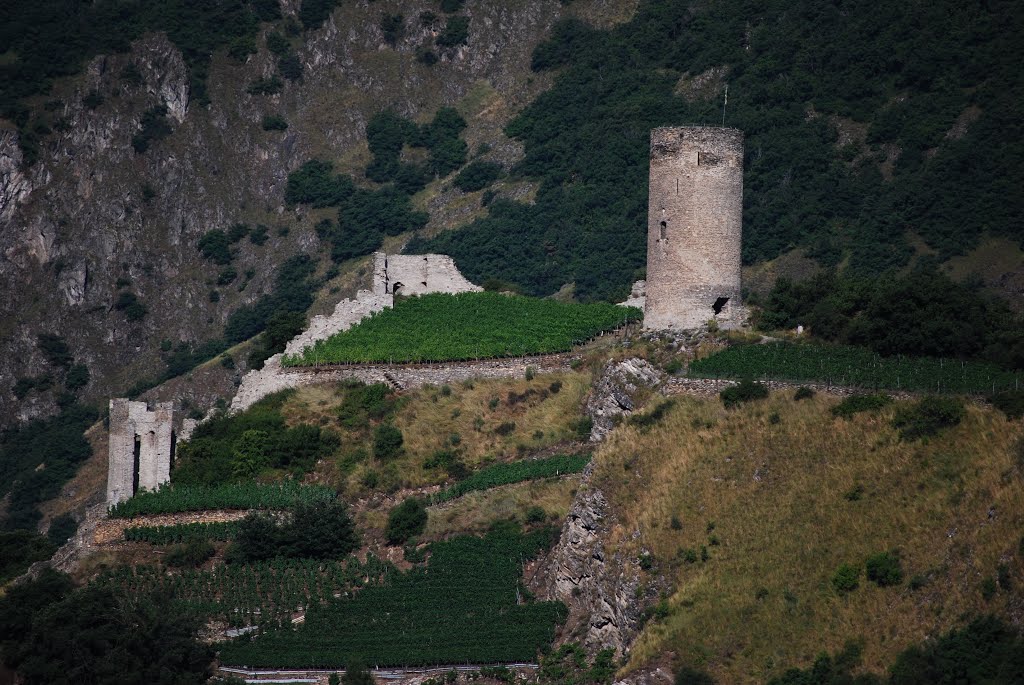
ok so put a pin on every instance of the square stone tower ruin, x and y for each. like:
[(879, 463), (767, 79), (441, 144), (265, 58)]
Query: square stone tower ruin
[(141, 447), (694, 228)]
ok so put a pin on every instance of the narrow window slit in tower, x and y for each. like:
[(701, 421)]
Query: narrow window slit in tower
[(664, 229), (677, 186), (719, 305), (135, 464)]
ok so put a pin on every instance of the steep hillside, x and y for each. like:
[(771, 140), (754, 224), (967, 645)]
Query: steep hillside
[(873, 132), (750, 513), (103, 236)]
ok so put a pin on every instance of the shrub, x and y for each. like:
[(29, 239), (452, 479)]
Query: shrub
[(55, 349), (456, 32), (128, 302), (855, 404), (673, 366), (531, 372), (278, 44), (61, 529), (536, 514), (928, 417), (258, 236), (451, 6), (583, 427), (77, 377), (1010, 402), (387, 441), (846, 578), (227, 276), (214, 245), (405, 521), (884, 569), (645, 421), (425, 55), (803, 393), (154, 127), (505, 428), (692, 676), (268, 85), (192, 553), (746, 391), (393, 27), (477, 175), (290, 67), (273, 122)]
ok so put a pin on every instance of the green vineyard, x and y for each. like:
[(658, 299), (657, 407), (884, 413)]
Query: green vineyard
[(185, 532), (466, 326), (247, 495), (855, 366), (465, 606), (265, 593), (515, 472)]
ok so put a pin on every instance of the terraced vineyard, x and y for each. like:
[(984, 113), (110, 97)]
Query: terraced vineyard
[(855, 366), (261, 593), (185, 532), (463, 607), (247, 495), (441, 327), (515, 472)]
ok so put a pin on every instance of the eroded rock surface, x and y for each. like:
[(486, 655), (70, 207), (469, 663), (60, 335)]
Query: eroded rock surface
[(599, 588), (615, 394)]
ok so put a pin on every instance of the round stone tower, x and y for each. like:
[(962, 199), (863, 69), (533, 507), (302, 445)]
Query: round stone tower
[(694, 226)]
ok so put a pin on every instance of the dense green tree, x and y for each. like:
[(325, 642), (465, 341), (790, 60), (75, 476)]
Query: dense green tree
[(406, 521)]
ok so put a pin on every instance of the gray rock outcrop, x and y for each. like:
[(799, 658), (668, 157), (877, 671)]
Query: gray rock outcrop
[(599, 588), (615, 394)]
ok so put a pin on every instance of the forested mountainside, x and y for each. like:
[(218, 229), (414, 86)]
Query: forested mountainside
[(185, 184), (876, 137), (133, 129)]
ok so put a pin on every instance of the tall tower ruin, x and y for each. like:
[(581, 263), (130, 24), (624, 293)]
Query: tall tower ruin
[(694, 227), (141, 447)]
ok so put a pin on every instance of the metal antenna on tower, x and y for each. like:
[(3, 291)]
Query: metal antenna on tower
[(725, 103)]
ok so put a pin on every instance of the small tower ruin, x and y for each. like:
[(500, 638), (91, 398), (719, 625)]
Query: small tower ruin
[(695, 221), (141, 447)]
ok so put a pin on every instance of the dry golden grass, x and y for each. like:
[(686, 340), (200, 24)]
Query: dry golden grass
[(476, 511), (777, 495), (459, 419)]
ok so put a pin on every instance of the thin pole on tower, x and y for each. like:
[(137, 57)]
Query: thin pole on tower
[(726, 102)]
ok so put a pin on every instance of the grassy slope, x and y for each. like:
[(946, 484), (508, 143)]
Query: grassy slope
[(954, 507), (428, 419)]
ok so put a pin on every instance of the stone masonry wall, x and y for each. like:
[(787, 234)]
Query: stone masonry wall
[(418, 275), (413, 275), (154, 431), (694, 228)]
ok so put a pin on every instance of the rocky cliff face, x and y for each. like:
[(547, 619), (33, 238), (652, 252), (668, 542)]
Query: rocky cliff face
[(94, 218), (602, 587)]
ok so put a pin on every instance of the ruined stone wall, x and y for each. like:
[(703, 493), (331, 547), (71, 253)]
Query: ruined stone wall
[(273, 377), (694, 228), (140, 448), (418, 275), (411, 274)]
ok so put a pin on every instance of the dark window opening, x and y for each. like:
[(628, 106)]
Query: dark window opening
[(719, 305), (174, 444), (423, 283), (664, 229), (135, 464), (396, 288), (677, 186)]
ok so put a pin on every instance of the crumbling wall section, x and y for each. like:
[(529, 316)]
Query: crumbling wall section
[(695, 222), (141, 447), (418, 275)]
